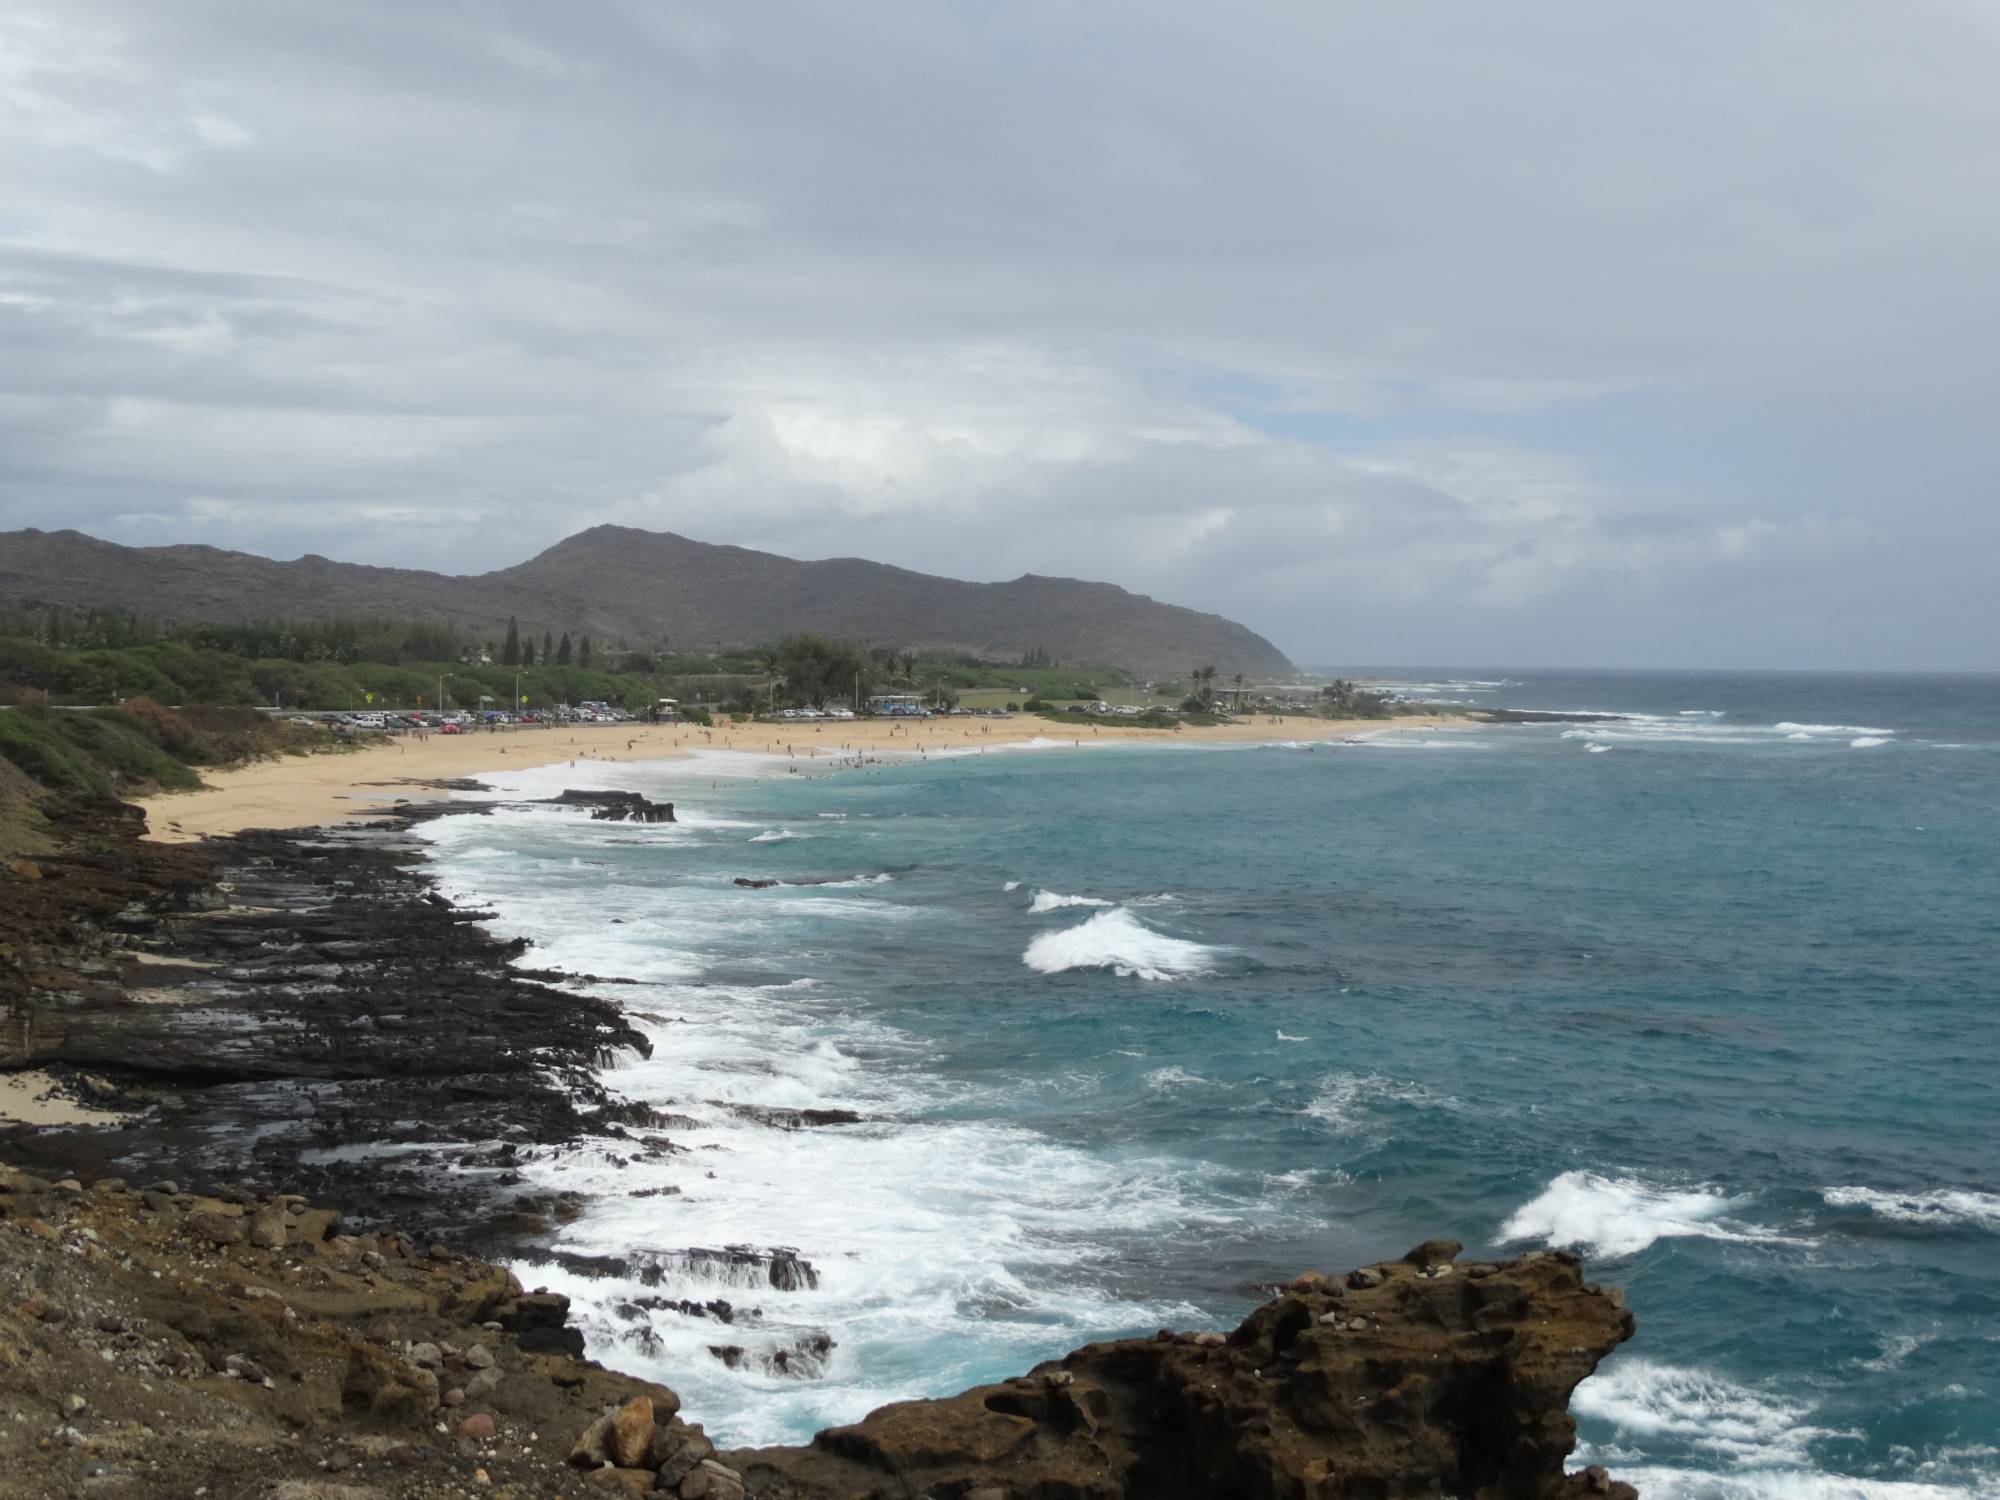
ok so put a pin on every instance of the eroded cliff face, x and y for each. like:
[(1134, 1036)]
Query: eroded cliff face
[(1418, 1377)]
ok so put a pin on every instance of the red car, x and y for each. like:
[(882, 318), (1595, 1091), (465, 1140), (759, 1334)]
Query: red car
[(450, 729)]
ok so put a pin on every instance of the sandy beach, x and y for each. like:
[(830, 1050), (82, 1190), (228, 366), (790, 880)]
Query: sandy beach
[(306, 791)]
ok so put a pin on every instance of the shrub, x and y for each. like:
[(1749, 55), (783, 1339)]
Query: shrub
[(30, 739)]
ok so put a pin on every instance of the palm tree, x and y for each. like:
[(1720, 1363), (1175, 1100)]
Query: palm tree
[(1203, 679), (1239, 692)]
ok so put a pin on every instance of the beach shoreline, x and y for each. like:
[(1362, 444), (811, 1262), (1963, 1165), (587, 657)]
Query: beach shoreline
[(321, 790)]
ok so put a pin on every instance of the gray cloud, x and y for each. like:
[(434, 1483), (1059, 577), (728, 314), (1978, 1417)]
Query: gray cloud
[(1546, 332)]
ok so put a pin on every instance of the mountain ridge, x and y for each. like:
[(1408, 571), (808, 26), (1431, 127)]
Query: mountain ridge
[(619, 582)]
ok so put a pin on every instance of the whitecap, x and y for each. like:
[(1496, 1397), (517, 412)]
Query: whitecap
[(1789, 727), (1055, 901), (1118, 941), (1284, 1036), (1620, 1216), (1867, 741), (1166, 1078), (1012, 885), (1597, 749), (1956, 1207)]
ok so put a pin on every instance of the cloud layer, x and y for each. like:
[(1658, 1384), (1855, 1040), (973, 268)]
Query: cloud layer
[(1553, 333)]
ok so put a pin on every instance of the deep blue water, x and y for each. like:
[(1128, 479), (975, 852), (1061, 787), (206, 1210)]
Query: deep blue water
[(1711, 994)]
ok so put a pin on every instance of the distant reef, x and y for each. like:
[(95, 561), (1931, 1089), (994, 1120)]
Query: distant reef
[(616, 582)]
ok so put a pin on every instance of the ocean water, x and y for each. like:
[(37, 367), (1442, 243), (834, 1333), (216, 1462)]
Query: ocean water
[(1711, 994)]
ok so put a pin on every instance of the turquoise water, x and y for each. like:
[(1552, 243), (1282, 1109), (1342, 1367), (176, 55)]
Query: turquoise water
[(1711, 994)]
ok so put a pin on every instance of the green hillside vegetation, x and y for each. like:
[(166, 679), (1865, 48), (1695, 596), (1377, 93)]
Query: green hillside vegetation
[(138, 747), (105, 656)]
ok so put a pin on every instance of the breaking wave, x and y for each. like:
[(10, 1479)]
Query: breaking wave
[(1055, 901), (1953, 1207), (1118, 941), (1620, 1216)]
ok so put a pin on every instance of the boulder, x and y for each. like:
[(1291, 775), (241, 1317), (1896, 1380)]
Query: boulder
[(267, 1227), (480, 1294), (217, 1229), (631, 1434), (711, 1480), (590, 1449)]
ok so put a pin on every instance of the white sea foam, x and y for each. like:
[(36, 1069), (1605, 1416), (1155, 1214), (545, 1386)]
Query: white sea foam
[(1055, 901), (1167, 1078), (1012, 885), (1284, 1037), (1118, 941), (776, 836), (1621, 1216), (1867, 741), (1597, 749), (1352, 1102), (948, 1245), (1944, 1206), (1698, 726), (1657, 1482), (1642, 1399), (1761, 1441)]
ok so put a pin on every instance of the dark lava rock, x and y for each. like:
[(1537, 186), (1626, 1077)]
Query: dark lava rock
[(1455, 1386), (618, 807)]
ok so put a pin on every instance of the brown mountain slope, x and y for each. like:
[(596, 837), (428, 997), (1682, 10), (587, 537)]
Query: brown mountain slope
[(616, 582)]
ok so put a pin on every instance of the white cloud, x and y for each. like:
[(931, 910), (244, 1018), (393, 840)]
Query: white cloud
[(1399, 332)]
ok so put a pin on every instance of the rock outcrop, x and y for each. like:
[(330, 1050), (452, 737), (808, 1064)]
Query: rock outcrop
[(618, 807), (1417, 1377)]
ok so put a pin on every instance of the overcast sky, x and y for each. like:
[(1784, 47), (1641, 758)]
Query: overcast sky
[(1472, 333)]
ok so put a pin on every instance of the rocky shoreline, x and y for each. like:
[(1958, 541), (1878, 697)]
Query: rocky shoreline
[(300, 1010), (328, 1081)]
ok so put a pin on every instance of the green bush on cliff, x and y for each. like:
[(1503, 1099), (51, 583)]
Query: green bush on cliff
[(108, 752), (31, 739)]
